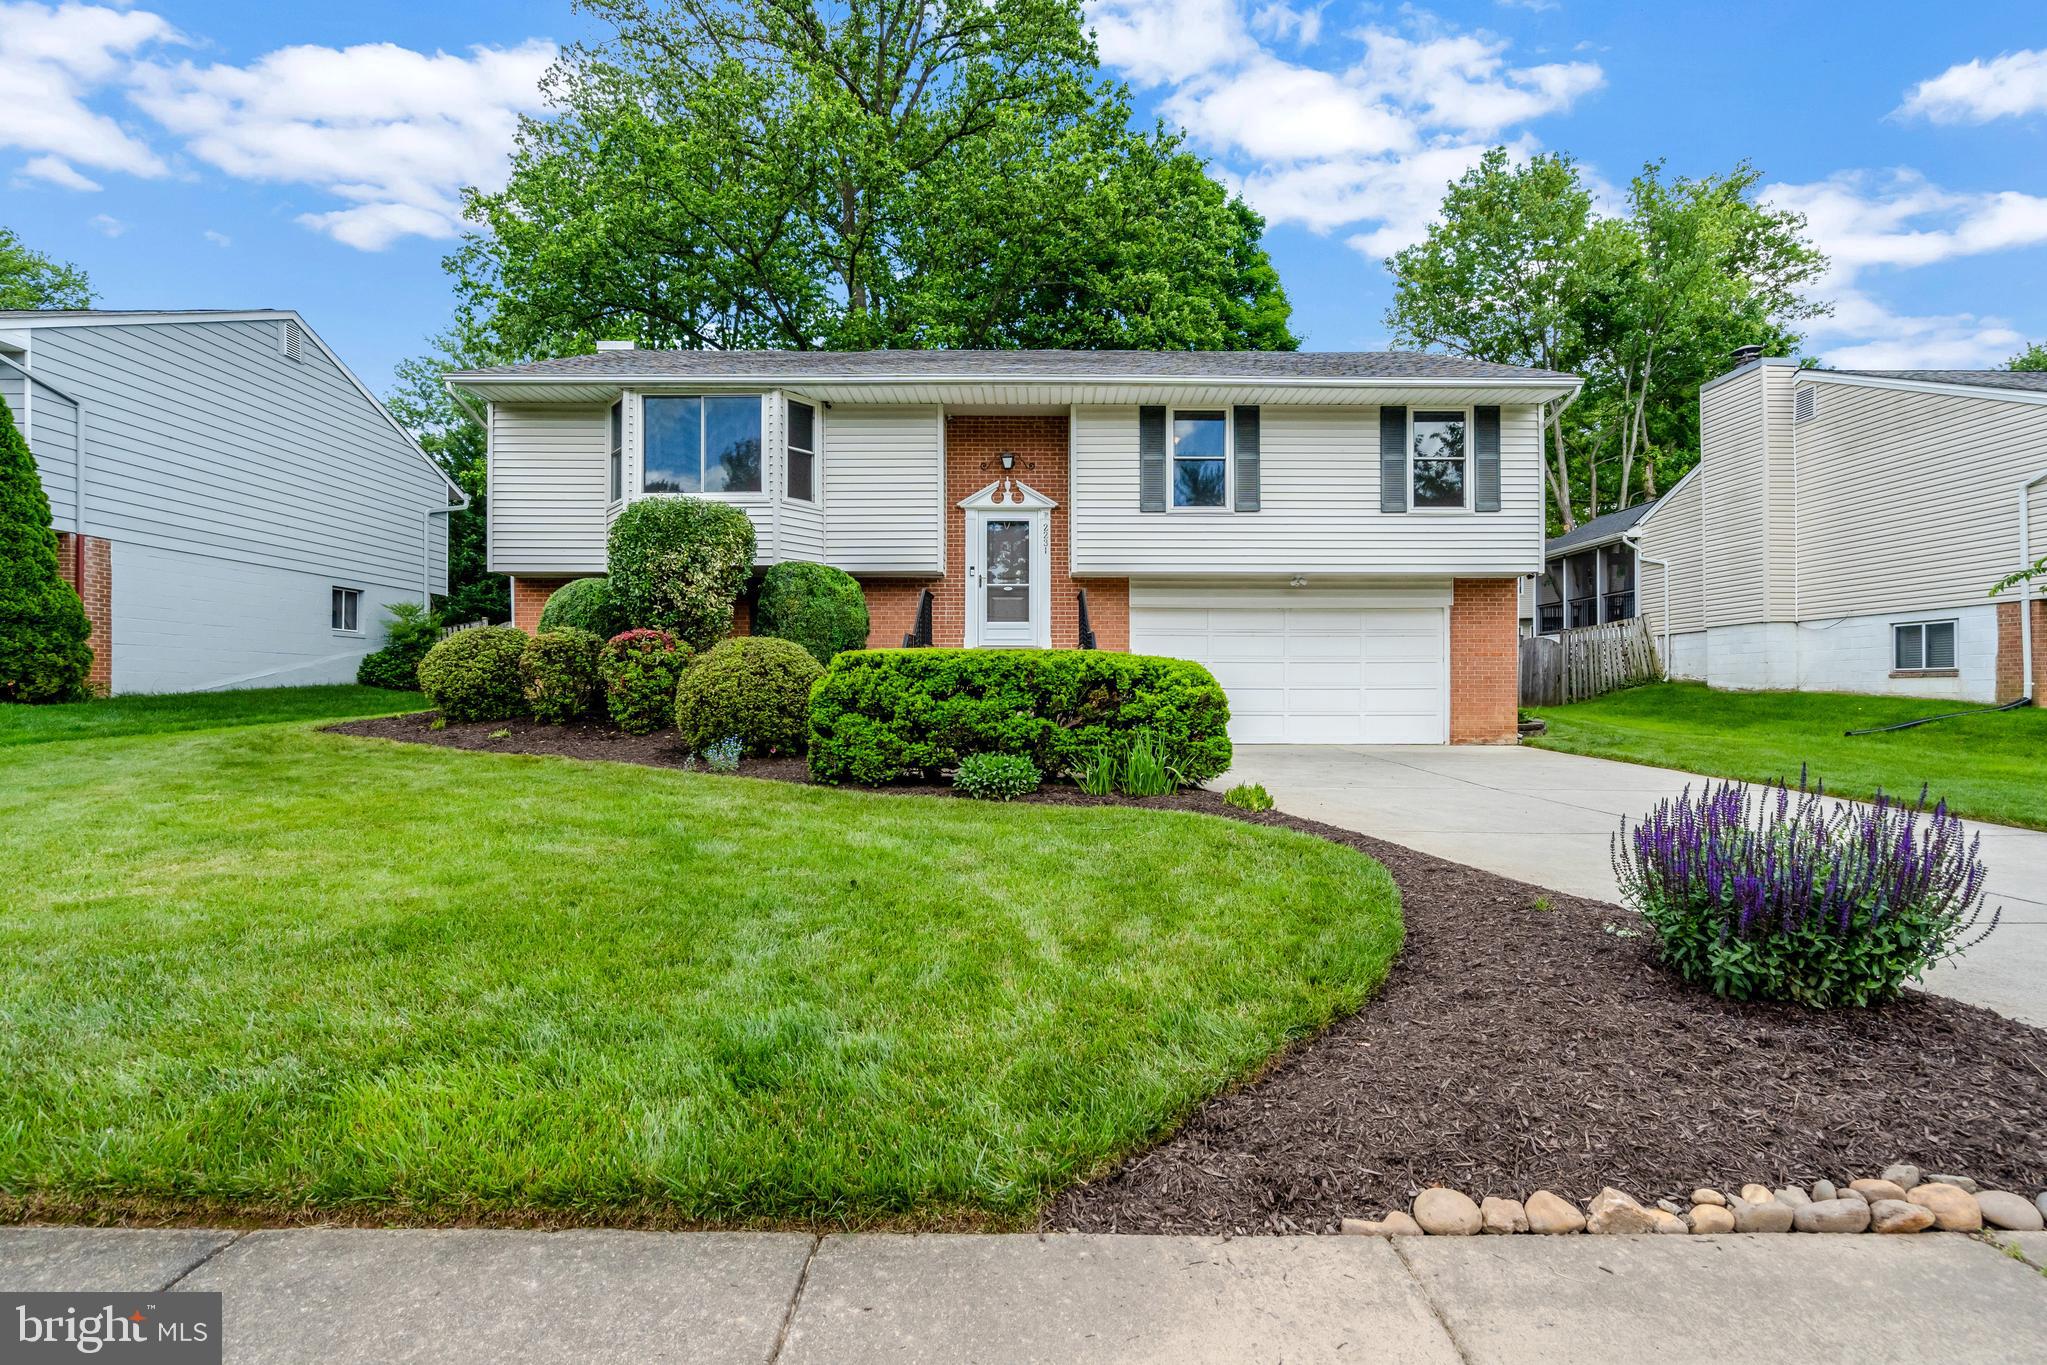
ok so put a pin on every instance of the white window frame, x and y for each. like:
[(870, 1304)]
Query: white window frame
[(354, 598), (1229, 502), (638, 443), (616, 489), (1898, 628), (816, 498), (1470, 461)]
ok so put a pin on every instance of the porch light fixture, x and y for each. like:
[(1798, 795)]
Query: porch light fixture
[(1008, 458)]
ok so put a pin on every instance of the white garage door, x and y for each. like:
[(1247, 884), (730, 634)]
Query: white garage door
[(1314, 674)]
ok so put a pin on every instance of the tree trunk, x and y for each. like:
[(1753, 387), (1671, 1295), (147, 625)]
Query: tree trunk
[(1560, 477)]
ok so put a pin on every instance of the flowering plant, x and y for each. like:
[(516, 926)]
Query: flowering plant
[(639, 669), (1760, 894)]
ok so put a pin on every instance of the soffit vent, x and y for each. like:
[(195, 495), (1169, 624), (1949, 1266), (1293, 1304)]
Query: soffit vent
[(293, 341), (1806, 405)]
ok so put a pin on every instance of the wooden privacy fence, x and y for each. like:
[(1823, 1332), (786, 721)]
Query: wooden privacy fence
[(1577, 665)]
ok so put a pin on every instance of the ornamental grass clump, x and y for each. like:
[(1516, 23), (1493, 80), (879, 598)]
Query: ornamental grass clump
[(1762, 894)]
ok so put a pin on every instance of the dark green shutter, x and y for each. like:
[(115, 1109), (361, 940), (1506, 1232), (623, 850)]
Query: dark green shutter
[(1486, 494), (1392, 459), (1151, 459), (1247, 459)]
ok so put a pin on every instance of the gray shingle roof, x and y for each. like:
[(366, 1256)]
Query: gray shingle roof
[(2022, 380), (1601, 528), (1222, 365)]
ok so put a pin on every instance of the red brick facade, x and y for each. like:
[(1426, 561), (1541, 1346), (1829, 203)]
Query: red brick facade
[(529, 596), (2011, 652), (974, 447), (88, 566), (1485, 662)]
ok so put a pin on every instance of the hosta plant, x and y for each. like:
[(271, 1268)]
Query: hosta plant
[(1770, 894), (996, 777)]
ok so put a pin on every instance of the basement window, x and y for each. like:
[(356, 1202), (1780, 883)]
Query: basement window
[(347, 614), (1923, 646)]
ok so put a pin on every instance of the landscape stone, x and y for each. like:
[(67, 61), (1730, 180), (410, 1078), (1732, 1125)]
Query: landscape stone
[(1895, 1215), (1873, 1190), (1447, 1213), (1766, 1215), (2040, 1200), (1614, 1213), (1394, 1224), (1794, 1195), (1954, 1209), (1502, 1215), (1706, 1195), (1552, 1214), (2012, 1212), (1710, 1218), (1960, 1182), (1670, 1206), (1832, 1215), (1823, 1190), (1758, 1194), (1902, 1174), (1668, 1222), (1851, 1194)]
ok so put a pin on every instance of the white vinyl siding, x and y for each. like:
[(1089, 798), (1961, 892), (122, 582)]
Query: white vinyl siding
[(550, 483), (1673, 534), (205, 440), (1909, 501), (1319, 482), (1780, 509), (1734, 498), (801, 525), (884, 484)]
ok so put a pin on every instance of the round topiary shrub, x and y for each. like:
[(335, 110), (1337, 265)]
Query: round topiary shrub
[(639, 670), (560, 672), (583, 604), (474, 674), (817, 606), (678, 564), (752, 688)]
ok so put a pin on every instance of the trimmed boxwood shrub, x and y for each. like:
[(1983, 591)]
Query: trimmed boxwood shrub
[(678, 564), (752, 688), (474, 674), (817, 606), (884, 714), (559, 668), (43, 628), (582, 604), (639, 669)]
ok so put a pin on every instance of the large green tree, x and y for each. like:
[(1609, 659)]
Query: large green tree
[(1645, 303), (30, 279), (783, 173), (2034, 358), (445, 430)]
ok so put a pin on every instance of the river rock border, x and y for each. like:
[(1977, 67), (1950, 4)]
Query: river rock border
[(1901, 1200)]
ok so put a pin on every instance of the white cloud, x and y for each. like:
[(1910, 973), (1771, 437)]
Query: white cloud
[(1365, 138), (59, 172), (54, 57), (2010, 85), (219, 239), (106, 225), (393, 132)]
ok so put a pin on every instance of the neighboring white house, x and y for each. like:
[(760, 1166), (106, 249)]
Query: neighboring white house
[(1338, 536), (1843, 529), (233, 505)]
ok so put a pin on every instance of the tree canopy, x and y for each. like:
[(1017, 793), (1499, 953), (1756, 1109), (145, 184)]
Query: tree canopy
[(2034, 357), (1645, 303), (30, 279), (877, 173), (422, 405)]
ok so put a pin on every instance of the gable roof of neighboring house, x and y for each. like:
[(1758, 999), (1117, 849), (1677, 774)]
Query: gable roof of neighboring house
[(985, 364), (2022, 381), (1600, 530)]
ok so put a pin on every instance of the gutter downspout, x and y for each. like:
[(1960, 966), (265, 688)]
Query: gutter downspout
[(77, 460), (426, 524), (1663, 572), (2026, 588)]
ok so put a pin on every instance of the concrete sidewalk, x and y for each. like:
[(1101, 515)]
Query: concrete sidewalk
[(596, 1296), (1549, 819)]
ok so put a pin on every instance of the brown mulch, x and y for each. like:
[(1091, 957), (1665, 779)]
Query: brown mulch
[(1524, 1040)]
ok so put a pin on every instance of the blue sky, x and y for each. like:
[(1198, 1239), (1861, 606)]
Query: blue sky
[(195, 154)]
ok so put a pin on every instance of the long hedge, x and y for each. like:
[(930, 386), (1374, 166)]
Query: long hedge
[(880, 715)]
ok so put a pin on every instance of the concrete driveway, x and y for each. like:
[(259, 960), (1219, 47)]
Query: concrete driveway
[(1549, 819)]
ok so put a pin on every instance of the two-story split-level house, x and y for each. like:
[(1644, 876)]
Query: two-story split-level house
[(1337, 536)]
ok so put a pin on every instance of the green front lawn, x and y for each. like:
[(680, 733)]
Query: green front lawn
[(171, 712), (271, 970), (1988, 767)]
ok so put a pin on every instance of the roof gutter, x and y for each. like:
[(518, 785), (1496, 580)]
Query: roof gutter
[(1632, 539), (1568, 389), (78, 466)]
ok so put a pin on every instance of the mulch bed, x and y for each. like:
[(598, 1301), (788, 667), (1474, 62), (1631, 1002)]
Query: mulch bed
[(1522, 1043)]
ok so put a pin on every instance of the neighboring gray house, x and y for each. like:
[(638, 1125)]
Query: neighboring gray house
[(1842, 529), (233, 505), (1588, 575)]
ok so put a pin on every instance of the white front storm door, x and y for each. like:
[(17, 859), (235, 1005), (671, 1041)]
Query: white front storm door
[(1009, 553)]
